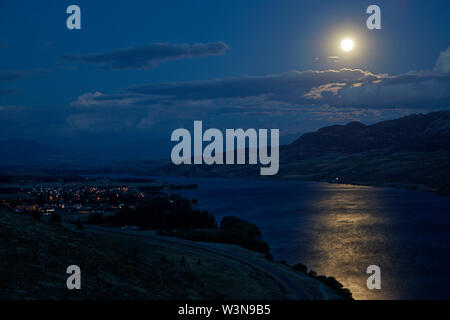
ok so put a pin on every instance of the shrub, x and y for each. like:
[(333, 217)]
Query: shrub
[(165, 213), (55, 218), (301, 267), (96, 218), (241, 232), (312, 273), (247, 230), (79, 225), (269, 256), (36, 215), (134, 252)]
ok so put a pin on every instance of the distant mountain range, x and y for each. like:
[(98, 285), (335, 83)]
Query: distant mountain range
[(15, 151), (416, 132), (23, 152), (411, 152)]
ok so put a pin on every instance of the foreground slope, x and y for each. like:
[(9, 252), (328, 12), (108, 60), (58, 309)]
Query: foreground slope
[(118, 265)]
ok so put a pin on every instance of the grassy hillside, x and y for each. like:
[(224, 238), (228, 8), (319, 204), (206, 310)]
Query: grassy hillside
[(35, 255)]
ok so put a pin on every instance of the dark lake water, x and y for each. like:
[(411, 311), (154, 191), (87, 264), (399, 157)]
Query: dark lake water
[(339, 230)]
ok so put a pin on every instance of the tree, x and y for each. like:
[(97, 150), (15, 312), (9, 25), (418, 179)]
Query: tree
[(79, 225), (301, 267), (55, 218), (36, 215), (96, 218)]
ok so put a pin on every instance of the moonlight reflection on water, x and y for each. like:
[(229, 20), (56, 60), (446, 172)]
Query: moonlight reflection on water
[(347, 234), (339, 230)]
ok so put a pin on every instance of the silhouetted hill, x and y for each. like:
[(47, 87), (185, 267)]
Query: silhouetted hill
[(21, 151), (411, 152), (416, 132)]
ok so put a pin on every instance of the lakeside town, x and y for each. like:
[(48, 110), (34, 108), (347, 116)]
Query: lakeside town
[(67, 196)]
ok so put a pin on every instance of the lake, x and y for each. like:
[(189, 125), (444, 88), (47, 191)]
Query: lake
[(339, 230)]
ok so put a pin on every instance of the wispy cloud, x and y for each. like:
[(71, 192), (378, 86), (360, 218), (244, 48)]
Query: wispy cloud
[(354, 88), (289, 87), (289, 100), (12, 75), (145, 57)]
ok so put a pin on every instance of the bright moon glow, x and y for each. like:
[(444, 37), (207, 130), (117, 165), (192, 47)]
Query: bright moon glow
[(347, 44)]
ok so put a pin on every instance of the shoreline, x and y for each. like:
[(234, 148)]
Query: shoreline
[(389, 185)]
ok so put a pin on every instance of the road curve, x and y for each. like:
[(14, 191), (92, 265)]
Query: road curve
[(297, 293)]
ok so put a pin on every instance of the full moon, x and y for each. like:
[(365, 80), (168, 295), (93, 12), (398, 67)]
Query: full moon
[(347, 44)]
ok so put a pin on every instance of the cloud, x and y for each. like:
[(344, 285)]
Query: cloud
[(353, 88), (311, 98), (145, 57), (443, 62), (294, 101), (98, 99), (89, 99), (12, 75), (289, 87), (404, 91)]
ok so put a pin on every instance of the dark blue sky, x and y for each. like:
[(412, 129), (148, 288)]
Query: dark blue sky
[(134, 71)]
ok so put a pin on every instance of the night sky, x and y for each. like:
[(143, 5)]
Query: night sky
[(138, 70)]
